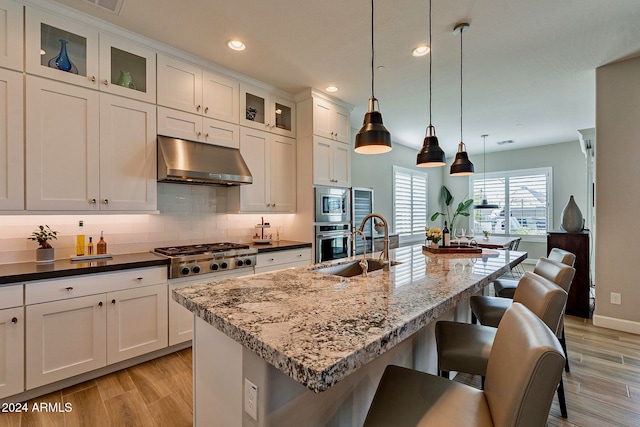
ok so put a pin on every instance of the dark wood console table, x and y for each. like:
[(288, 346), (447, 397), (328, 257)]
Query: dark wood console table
[(578, 244)]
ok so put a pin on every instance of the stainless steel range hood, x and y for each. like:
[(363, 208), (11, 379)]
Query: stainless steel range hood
[(191, 162)]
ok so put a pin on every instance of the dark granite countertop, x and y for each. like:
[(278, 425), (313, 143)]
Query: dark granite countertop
[(282, 245), (27, 271)]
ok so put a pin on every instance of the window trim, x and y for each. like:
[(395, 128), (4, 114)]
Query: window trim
[(412, 172), (547, 170)]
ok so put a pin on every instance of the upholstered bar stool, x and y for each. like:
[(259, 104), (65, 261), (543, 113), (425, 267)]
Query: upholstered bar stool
[(506, 288), (465, 347), (488, 310), (523, 372)]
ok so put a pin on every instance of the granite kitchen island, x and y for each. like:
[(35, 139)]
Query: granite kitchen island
[(315, 344)]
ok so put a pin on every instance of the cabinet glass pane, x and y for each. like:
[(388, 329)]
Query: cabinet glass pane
[(128, 70), (255, 108), (63, 50), (283, 117)]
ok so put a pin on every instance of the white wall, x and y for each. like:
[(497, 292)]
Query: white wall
[(187, 216), (617, 177)]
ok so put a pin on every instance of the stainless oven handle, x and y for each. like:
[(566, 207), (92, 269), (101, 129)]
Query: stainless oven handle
[(328, 236)]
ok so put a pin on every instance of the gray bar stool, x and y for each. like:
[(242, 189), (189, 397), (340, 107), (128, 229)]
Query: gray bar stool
[(465, 347), (523, 372)]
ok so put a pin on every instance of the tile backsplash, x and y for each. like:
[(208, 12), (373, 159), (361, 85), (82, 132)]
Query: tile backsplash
[(188, 215)]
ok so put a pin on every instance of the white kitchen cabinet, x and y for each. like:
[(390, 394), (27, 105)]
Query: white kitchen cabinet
[(88, 151), (331, 162), (262, 110), (11, 340), (78, 324), (187, 87), (127, 155), (277, 260), (46, 34), (331, 120), (11, 141), (178, 124), (272, 161), (11, 39), (62, 146), (65, 338), (137, 322), (127, 69)]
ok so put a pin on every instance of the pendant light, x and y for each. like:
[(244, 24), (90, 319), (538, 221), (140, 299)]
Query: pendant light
[(431, 155), (461, 166), (485, 204), (373, 137)]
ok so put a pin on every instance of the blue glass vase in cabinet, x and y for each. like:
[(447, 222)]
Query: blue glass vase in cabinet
[(62, 61)]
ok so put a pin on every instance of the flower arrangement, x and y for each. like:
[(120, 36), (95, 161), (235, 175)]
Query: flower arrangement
[(433, 234), (42, 235)]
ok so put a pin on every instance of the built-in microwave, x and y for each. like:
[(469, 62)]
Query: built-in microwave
[(333, 204)]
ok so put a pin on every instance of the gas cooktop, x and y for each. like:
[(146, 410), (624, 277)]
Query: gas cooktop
[(176, 251), (207, 258)]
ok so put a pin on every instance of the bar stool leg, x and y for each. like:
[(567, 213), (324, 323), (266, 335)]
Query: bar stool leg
[(474, 319), (563, 343), (561, 400)]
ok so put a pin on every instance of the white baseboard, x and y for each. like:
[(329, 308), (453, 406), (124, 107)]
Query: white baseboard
[(616, 324)]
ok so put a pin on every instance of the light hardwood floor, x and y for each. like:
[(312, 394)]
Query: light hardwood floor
[(602, 389)]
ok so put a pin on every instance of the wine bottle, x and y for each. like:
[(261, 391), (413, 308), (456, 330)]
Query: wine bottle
[(446, 237), (102, 245), (80, 239), (90, 246)]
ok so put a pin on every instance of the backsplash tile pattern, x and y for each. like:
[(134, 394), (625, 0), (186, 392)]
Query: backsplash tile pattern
[(188, 215)]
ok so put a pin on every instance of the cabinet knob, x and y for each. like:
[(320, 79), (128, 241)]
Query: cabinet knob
[(92, 79), (113, 302), (92, 201), (139, 279), (206, 135), (198, 108), (14, 320), (206, 110), (299, 255), (105, 82), (273, 205), (271, 259), (69, 288), (199, 133), (105, 201), (100, 304)]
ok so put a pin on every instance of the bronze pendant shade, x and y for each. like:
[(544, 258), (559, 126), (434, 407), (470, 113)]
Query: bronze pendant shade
[(373, 137), (431, 155)]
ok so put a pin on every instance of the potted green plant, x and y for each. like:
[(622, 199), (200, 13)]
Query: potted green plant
[(461, 210), (42, 235)]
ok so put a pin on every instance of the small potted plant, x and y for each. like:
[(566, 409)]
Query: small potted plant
[(485, 233), (45, 252)]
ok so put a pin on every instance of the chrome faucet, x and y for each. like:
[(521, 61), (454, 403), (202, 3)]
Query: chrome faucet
[(384, 256)]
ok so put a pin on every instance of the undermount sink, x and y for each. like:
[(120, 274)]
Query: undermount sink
[(351, 269)]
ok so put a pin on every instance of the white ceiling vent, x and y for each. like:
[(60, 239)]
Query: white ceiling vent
[(114, 6), (508, 141)]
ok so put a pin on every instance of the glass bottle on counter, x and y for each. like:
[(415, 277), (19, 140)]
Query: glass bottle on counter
[(101, 245), (446, 237), (90, 246), (80, 239)]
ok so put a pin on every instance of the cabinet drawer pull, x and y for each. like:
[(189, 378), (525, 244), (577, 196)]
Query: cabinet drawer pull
[(100, 304), (105, 201), (105, 82), (69, 288), (92, 201), (113, 302), (14, 320), (206, 110), (198, 108), (92, 79), (139, 279)]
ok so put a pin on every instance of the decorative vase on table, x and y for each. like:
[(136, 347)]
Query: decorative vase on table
[(62, 61), (572, 217)]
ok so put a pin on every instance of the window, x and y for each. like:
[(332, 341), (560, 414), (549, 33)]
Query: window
[(523, 198), (409, 203)]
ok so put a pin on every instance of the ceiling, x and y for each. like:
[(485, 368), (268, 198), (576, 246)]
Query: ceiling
[(529, 66)]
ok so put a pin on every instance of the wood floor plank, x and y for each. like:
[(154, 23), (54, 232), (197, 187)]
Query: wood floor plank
[(44, 418), (129, 410), (187, 356), (148, 381), (171, 364), (10, 419), (172, 411), (114, 384), (78, 387), (182, 384), (87, 409)]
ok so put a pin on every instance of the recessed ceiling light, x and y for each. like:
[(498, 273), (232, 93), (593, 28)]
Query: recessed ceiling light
[(236, 45), (421, 50), (331, 89), (380, 67)]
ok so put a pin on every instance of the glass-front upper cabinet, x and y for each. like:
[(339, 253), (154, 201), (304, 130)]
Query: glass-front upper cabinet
[(11, 45), (127, 69), (262, 110), (61, 49)]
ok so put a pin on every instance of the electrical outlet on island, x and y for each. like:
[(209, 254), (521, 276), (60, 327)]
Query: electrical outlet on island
[(251, 399)]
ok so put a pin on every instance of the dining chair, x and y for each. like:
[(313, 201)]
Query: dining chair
[(523, 371), (513, 246), (465, 347)]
